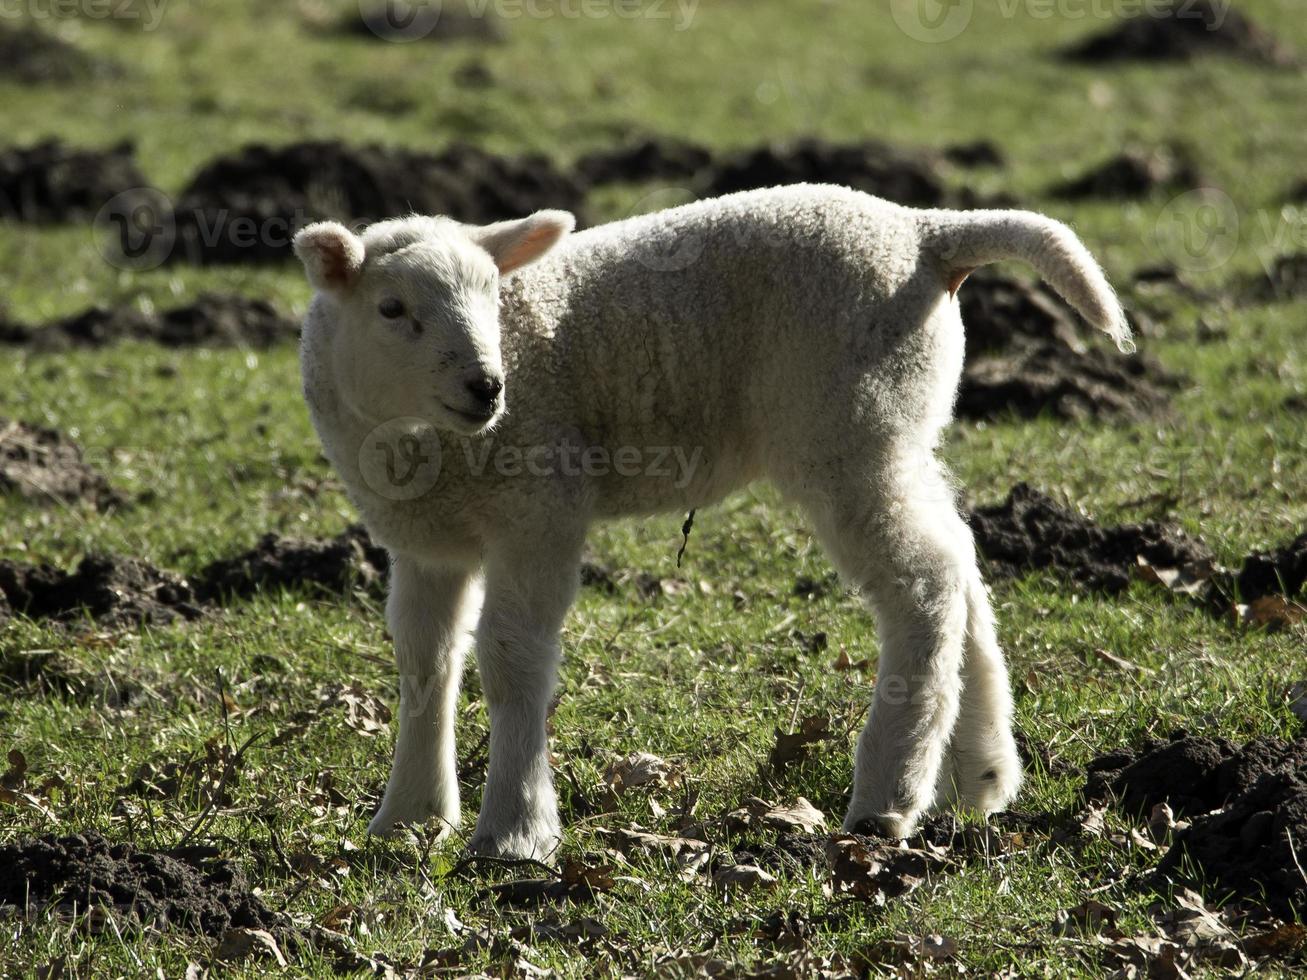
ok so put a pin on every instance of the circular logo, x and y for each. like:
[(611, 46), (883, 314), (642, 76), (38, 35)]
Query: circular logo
[(136, 229), (1198, 230), (932, 21), (400, 20), (662, 251), (400, 459)]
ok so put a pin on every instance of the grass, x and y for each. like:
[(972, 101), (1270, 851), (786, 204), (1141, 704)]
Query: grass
[(215, 448)]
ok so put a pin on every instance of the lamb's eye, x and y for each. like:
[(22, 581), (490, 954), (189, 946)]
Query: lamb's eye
[(391, 308)]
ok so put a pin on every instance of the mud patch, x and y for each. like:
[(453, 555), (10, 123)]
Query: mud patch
[(1025, 355), (872, 166), (1029, 531), (32, 56), (245, 207), (53, 182), (187, 889), (655, 158), (111, 591), (1284, 282), (46, 466), (1246, 810), (333, 566), (397, 20), (1184, 30), (213, 320), (1135, 173)]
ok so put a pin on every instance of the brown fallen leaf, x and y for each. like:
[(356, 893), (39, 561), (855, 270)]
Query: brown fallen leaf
[(1297, 697), (741, 878), (240, 944), (791, 747), (1189, 579), (639, 769), (754, 813), (1088, 918), (875, 872), (843, 663), (1270, 612), (1121, 663), (1281, 941), (690, 855)]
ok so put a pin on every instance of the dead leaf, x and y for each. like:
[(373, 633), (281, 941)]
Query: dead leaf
[(843, 663), (1282, 941), (1298, 700), (14, 776), (799, 815), (792, 747), (1189, 579), (689, 855), (240, 944), (1270, 612), (877, 872), (1089, 917), (1120, 663), (741, 878), (639, 769)]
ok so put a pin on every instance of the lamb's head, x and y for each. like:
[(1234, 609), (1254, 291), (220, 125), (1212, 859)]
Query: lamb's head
[(410, 312)]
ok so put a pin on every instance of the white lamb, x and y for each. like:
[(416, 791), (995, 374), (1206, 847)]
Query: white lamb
[(808, 335)]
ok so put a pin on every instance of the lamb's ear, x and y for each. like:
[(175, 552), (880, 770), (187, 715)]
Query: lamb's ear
[(513, 244), (331, 253)]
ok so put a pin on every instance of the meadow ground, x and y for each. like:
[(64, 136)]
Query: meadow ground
[(212, 448)]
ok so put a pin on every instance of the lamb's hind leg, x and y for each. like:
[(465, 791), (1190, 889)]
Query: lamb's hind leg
[(895, 544), (430, 612), (983, 770)]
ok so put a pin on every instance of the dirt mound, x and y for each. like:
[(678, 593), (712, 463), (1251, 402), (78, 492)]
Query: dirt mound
[(1025, 354), (335, 565), (872, 166), (1030, 531), (1246, 808), (44, 465), (112, 591), (1132, 174), (1284, 281), (650, 159), (981, 153), (1268, 573), (1046, 378), (213, 320), (245, 207), (53, 182), (1183, 30), (186, 889), (397, 20), (33, 56)]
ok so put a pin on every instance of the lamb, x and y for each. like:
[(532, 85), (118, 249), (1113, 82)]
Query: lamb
[(808, 335)]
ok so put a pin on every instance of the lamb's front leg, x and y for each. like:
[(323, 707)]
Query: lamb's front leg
[(431, 613), (528, 592)]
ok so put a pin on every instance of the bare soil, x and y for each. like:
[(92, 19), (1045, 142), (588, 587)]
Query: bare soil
[(53, 182), (190, 889), (46, 466), (213, 320), (1246, 807), (1184, 30)]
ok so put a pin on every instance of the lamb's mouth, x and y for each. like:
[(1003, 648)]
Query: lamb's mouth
[(477, 419)]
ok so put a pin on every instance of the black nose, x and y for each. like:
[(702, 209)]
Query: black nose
[(485, 388)]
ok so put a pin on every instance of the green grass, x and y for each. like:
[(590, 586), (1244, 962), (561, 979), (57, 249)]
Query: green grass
[(215, 448)]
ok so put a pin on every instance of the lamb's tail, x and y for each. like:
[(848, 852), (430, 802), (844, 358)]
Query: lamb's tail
[(965, 240)]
